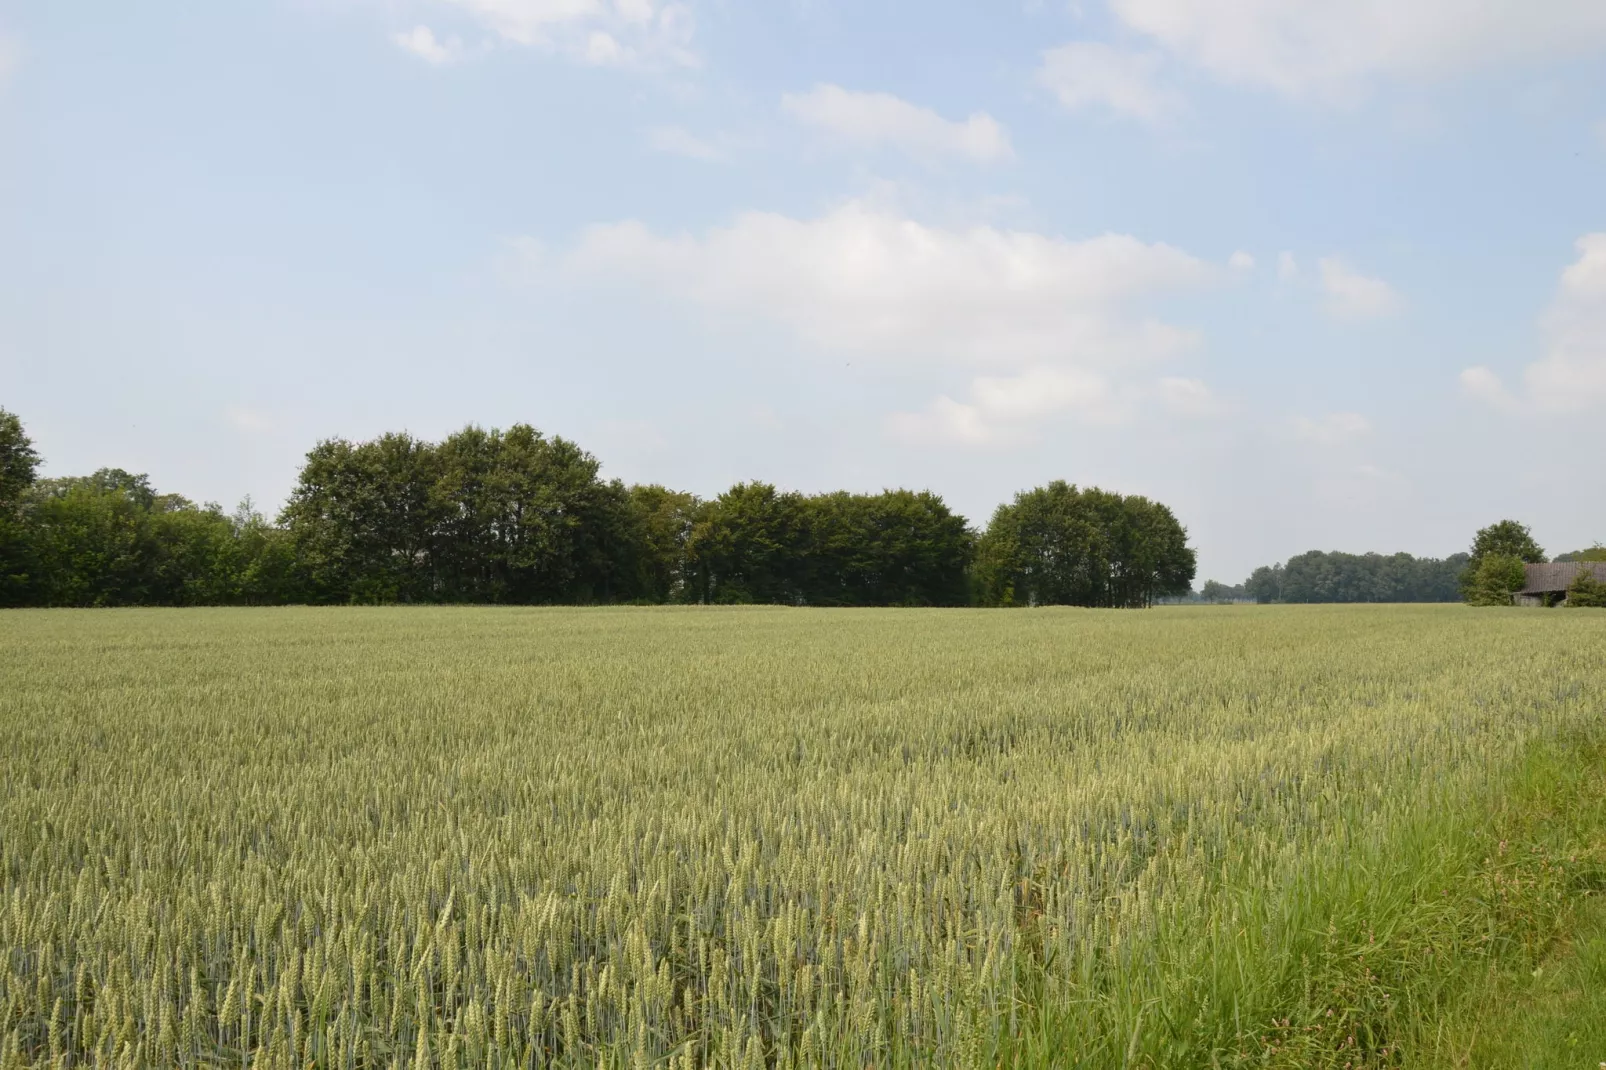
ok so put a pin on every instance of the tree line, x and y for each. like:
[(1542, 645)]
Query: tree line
[(1497, 568), (1317, 576), (517, 516), (1489, 574)]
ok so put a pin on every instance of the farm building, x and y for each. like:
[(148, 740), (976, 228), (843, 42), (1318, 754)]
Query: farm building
[(1547, 584)]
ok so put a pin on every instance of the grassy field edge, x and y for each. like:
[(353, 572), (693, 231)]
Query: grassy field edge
[(1540, 1000), (1401, 950)]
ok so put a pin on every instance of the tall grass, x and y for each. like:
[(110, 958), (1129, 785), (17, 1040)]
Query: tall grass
[(750, 838)]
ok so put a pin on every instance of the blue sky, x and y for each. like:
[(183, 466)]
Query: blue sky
[(1316, 275)]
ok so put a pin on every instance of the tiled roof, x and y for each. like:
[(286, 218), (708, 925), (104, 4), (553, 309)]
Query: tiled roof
[(1547, 579)]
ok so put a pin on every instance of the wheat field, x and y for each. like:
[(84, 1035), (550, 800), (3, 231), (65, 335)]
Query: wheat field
[(469, 837)]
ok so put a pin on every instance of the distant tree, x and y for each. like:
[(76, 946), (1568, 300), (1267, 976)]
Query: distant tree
[(1265, 584), (93, 541), (1586, 592), (1496, 578), (1318, 576), (1213, 591), (108, 539), (896, 548), (751, 544), (19, 465), (19, 462), (261, 562), (1061, 545), (1507, 538), (362, 520), (1594, 553), (662, 521), (520, 517)]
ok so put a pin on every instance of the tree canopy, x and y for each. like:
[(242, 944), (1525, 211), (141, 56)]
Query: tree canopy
[(1586, 592), (517, 516), (484, 516), (1495, 578), (1507, 538), (1318, 576), (1060, 545), (18, 465)]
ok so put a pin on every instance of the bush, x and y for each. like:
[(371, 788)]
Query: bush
[(1496, 579), (1586, 592)]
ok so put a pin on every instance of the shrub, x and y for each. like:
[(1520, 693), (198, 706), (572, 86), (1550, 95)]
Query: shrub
[(1586, 592), (1496, 579)]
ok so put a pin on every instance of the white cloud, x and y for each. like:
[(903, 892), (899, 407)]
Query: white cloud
[(1363, 487), (1287, 267), (946, 420), (10, 55), (880, 119), (1189, 397), (422, 42), (1004, 408), (1241, 261), (247, 421), (864, 279), (1572, 374), (1351, 295), (1056, 323), (1091, 74), (1332, 429), (678, 141), (1328, 49), (1483, 384), (629, 33)]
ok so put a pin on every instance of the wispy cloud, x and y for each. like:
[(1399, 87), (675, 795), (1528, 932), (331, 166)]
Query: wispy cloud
[(1052, 326), (1572, 374), (422, 42), (247, 421), (1331, 430), (1318, 49), (874, 120), (10, 55), (1354, 296), (678, 141), (609, 33), (1091, 74)]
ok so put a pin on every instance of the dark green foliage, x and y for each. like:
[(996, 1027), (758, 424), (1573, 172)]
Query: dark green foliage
[(1505, 541), (1058, 545), (1586, 592), (524, 518), (361, 520), (485, 516), (1318, 576), (1594, 553), (1214, 591), (109, 540), (661, 523), (18, 461), (896, 548), (1495, 579), (1507, 538), (1265, 584), (751, 545), (513, 516), (18, 464)]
